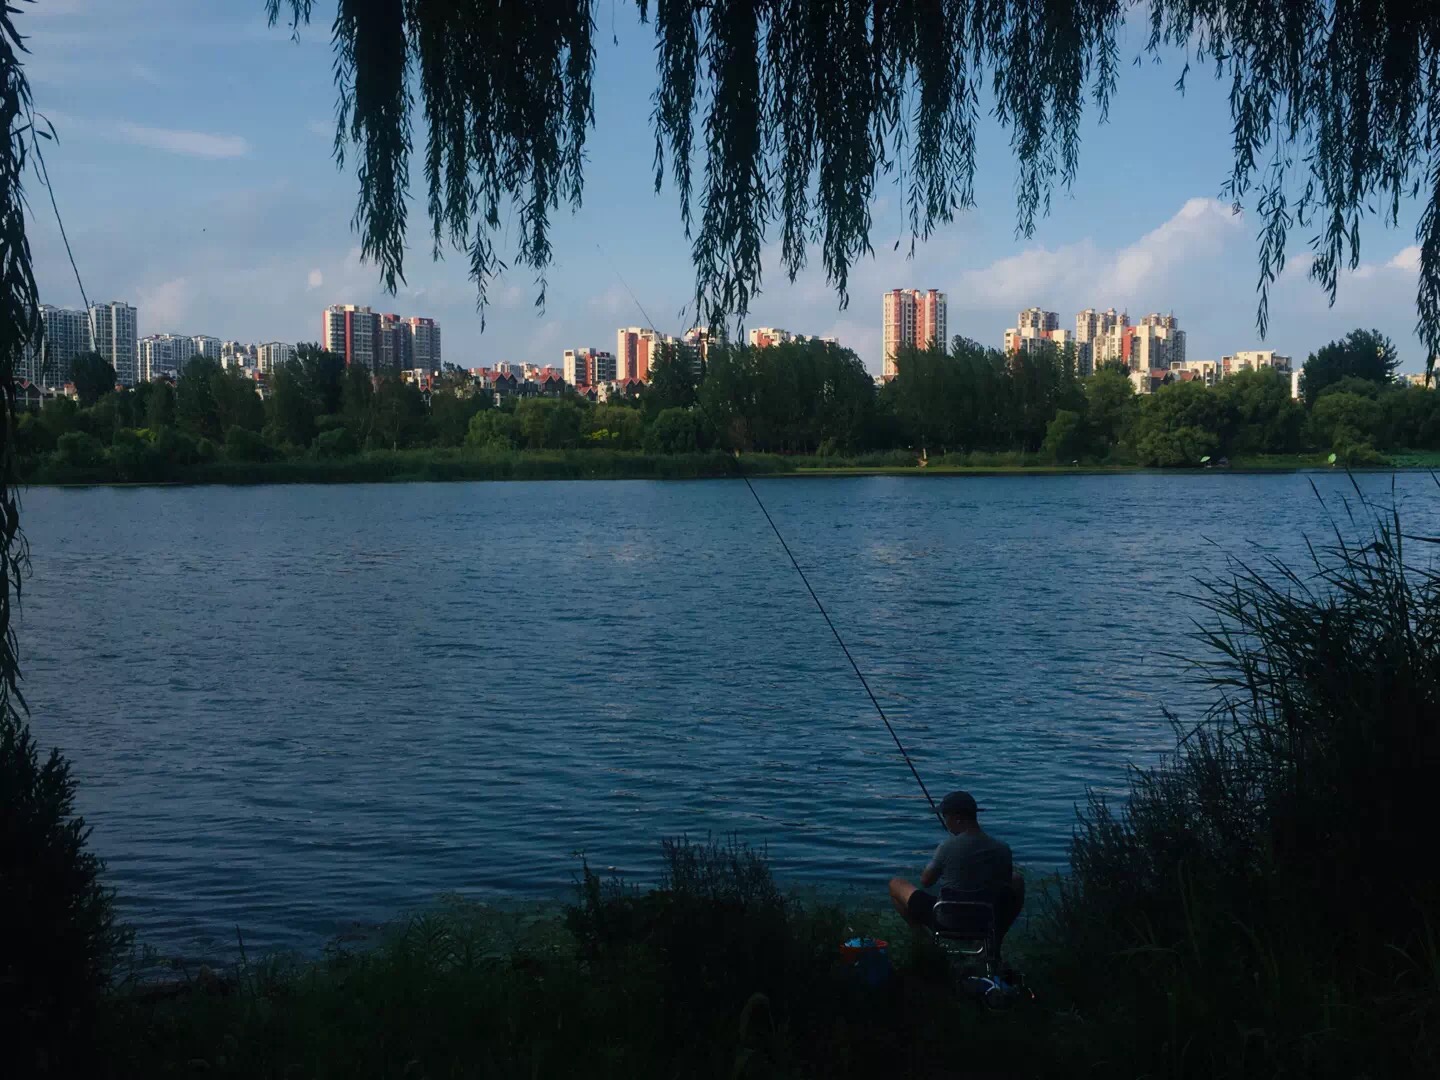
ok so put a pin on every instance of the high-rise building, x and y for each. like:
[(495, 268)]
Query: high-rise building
[(352, 332), (1156, 343), (695, 347), (636, 348), (588, 367), (1035, 328), (424, 343), (1255, 360), (48, 362), (395, 351), (1099, 337), (272, 354), (206, 346), (163, 354), (762, 337), (116, 338), (911, 319), (1207, 372), (238, 354)]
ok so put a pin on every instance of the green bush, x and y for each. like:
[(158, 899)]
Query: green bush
[(673, 431), (242, 444), (58, 936), (334, 443), (79, 450)]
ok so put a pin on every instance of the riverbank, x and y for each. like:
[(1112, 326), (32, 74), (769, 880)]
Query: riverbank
[(404, 466), (717, 973)]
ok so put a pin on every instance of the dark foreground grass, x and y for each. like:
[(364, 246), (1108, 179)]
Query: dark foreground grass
[(715, 973)]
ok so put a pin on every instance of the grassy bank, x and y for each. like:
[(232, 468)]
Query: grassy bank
[(717, 974), (384, 466)]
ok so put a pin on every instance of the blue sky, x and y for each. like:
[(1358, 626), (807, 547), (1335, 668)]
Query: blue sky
[(195, 178)]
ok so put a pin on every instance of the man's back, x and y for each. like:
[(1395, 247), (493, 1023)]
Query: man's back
[(973, 861)]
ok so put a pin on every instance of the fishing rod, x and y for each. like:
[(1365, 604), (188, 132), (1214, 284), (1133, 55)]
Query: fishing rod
[(841, 641), (739, 471)]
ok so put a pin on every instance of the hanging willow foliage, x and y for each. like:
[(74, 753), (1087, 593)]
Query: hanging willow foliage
[(803, 106), (19, 327)]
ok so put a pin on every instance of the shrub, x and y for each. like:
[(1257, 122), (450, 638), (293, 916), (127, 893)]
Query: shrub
[(242, 444), (674, 431), (60, 937), (82, 451), (131, 455), (334, 443)]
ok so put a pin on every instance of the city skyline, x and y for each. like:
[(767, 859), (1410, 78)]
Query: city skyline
[(223, 212)]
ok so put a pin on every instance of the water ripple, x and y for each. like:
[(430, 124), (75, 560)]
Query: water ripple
[(295, 710)]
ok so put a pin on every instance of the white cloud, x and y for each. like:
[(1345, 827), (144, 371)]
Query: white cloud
[(314, 279), (324, 129), (1141, 272), (1201, 228), (1407, 259), (162, 308), (191, 143)]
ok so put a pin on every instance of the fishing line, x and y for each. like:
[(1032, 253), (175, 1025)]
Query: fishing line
[(808, 588), (843, 647)]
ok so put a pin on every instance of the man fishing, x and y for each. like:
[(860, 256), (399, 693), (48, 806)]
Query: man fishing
[(969, 860)]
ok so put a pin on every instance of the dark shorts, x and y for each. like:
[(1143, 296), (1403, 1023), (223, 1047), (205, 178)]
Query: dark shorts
[(921, 907)]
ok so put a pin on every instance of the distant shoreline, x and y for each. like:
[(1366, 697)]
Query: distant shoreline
[(429, 466)]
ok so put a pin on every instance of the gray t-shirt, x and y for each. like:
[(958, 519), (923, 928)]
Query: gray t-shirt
[(972, 862)]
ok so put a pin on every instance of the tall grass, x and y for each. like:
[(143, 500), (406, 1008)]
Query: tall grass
[(1262, 897)]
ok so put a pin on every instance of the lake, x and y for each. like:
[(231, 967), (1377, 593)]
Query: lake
[(292, 709)]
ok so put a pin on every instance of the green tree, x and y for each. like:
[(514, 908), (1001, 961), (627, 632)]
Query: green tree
[(400, 414), (1065, 437), (196, 410), (1339, 421), (246, 444), (336, 443), (1362, 354), (1260, 415), (548, 423), (59, 416), (290, 409), (450, 413), (80, 450), (237, 402), (131, 456), (1110, 408), (727, 396), (93, 376), (674, 431), (358, 412), (160, 406), (324, 374), (1410, 419), (493, 429), (1179, 424), (617, 427), (672, 382)]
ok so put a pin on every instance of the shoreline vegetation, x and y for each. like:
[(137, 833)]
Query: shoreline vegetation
[(1252, 908), (436, 465), (798, 408)]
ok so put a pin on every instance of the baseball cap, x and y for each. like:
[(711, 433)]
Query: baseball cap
[(959, 802)]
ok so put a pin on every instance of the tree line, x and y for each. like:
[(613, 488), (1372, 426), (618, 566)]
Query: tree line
[(807, 398)]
